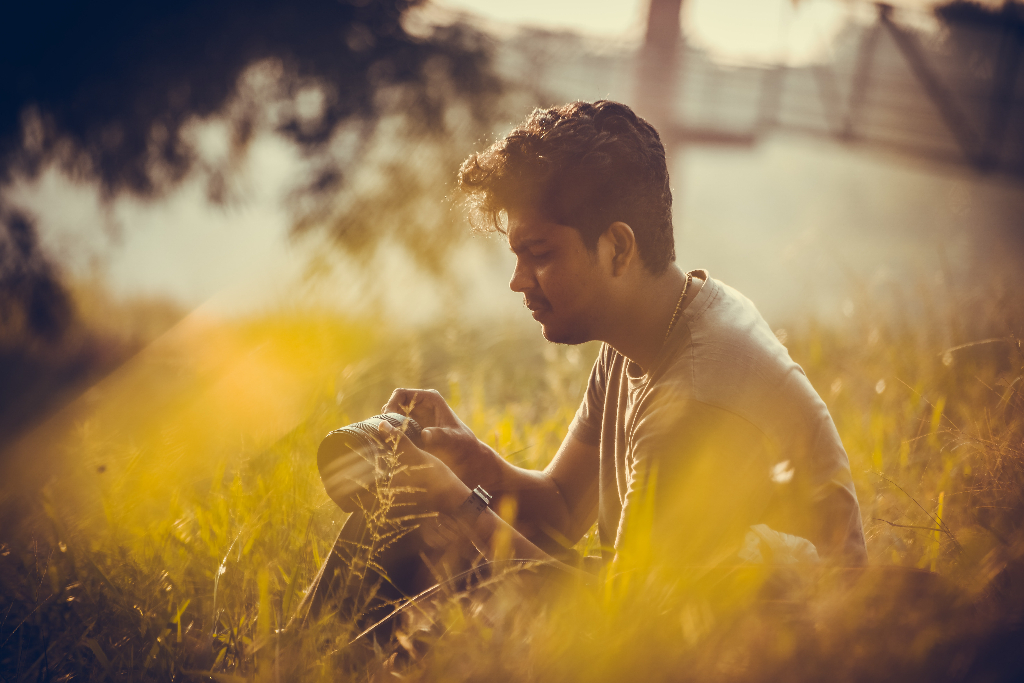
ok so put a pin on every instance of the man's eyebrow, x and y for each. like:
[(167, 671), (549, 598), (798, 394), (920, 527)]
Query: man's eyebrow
[(526, 244)]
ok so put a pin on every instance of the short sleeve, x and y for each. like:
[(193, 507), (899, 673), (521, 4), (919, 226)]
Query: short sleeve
[(586, 425)]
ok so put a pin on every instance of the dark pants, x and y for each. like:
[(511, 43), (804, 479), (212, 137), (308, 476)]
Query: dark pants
[(355, 588), (405, 573)]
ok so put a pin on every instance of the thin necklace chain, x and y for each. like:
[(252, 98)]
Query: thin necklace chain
[(679, 307)]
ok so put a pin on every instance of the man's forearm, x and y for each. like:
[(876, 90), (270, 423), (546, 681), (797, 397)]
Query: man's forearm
[(498, 541), (541, 513)]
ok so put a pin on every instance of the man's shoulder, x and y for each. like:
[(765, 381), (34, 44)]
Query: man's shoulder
[(732, 336), (735, 361), (732, 317)]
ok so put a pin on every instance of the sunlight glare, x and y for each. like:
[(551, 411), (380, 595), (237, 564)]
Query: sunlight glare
[(606, 18), (764, 31), (734, 31)]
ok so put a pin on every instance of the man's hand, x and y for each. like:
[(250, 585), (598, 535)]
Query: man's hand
[(446, 436), (563, 497), (424, 483)]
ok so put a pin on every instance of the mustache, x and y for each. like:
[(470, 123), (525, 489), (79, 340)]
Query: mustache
[(535, 302)]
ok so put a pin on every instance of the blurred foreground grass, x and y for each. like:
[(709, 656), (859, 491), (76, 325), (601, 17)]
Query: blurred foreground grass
[(182, 517)]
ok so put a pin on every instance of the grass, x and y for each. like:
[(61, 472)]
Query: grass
[(182, 517)]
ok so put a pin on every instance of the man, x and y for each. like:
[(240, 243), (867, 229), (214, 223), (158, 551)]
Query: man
[(696, 424), (696, 427)]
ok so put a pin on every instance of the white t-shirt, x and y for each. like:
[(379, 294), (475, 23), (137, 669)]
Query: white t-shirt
[(733, 429)]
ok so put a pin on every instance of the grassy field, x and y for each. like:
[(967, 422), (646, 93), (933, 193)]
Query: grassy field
[(182, 518)]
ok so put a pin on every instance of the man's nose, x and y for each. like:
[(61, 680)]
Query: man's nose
[(521, 278)]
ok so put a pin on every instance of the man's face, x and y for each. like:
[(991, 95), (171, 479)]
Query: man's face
[(560, 278)]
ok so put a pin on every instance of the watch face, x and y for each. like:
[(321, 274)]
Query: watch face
[(484, 497), (477, 502)]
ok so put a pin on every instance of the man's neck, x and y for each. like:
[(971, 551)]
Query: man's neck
[(639, 328)]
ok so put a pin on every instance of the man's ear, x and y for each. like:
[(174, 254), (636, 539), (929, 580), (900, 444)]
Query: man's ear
[(621, 244)]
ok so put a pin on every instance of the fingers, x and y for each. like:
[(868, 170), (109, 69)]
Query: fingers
[(451, 446), (403, 446), (426, 406), (405, 401), (396, 403), (420, 477), (395, 437), (438, 437)]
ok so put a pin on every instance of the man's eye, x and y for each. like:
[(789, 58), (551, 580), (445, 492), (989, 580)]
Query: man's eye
[(541, 255)]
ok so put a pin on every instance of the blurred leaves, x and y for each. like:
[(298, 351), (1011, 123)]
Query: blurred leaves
[(33, 302), (119, 80), (43, 351), (138, 96)]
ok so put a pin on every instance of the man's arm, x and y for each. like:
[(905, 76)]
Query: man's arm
[(555, 507), (425, 484)]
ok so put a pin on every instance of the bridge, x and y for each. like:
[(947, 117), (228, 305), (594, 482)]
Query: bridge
[(950, 97)]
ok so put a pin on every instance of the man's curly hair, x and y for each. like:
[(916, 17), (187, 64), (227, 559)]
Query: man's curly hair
[(585, 165)]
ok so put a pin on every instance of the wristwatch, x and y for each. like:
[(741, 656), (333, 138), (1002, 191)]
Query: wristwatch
[(461, 521), (478, 501)]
